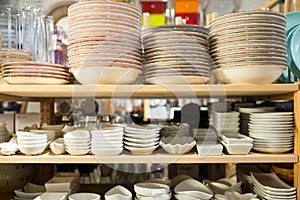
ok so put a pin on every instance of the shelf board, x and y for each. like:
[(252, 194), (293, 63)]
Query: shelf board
[(146, 91), (49, 158)]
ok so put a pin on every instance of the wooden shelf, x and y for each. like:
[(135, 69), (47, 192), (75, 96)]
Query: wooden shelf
[(144, 91), (49, 158)]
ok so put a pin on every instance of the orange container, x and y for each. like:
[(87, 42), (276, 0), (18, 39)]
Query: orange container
[(186, 6)]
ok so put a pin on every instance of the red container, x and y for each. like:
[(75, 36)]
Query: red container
[(191, 18), (153, 6)]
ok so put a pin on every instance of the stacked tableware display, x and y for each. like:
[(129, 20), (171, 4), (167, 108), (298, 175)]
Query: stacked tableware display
[(273, 132), (192, 189), (107, 141), (141, 139), (104, 42), (245, 116), (269, 186), (30, 72), (152, 191), (292, 32), (225, 122), (248, 47), (31, 143), (78, 142), (176, 54)]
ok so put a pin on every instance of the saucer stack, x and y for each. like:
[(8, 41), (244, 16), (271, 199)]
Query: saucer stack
[(104, 42), (141, 139), (273, 132), (176, 54), (77, 142), (226, 122), (30, 72), (245, 116), (107, 141), (248, 47)]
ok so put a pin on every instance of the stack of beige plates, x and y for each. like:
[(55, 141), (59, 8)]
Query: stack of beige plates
[(14, 55), (39, 73), (248, 47), (104, 42), (176, 54)]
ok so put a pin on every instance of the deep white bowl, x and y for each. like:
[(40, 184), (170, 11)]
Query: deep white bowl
[(33, 149), (50, 133), (24, 134), (249, 74), (177, 148), (105, 75), (193, 188), (77, 134)]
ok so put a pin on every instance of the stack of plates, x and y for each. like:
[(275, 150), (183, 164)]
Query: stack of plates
[(245, 116), (14, 55), (40, 73), (248, 47), (273, 132), (78, 142), (225, 122), (269, 186), (107, 141), (292, 47), (176, 54), (141, 139), (152, 191), (104, 42)]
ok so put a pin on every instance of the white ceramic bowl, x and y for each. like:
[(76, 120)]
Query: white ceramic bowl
[(78, 152), (151, 189), (118, 192), (249, 74), (24, 134), (177, 148), (58, 146), (193, 188), (142, 151), (50, 133), (52, 195), (8, 148), (106, 152), (160, 197), (105, 75), (85, 196), (31, 142), (209, 149), (33, 149), (77, 134)]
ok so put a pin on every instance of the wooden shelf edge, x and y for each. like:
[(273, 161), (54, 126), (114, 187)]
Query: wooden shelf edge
[(146, 91), (153, 158)]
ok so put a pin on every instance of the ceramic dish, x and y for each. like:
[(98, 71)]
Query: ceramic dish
[(193, 188), (151, 189), (214, 149), (118, 192), (142, 151), (237, 149)]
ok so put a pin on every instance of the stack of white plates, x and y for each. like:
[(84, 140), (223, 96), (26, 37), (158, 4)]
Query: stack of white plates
[(141, 139), (107, 141), (269, 186), (245, 114), (248, 47), (29, 72), (273, 132), (225, 122), (176, 54), (104, 42), (14, 55), (192, 189), (78, 142), (31, 143), (147, 190)]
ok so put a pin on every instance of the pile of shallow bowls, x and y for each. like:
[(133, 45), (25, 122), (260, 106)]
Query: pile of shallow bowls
[(31, 143), (78, 142), (248, 47)]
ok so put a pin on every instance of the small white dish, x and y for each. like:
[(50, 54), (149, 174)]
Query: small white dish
[(52, 195), (193, 188), (237, 149), (141, 151), (58, 146), (8, 148), (236, 139), (118, 192), (215, 149), (151, 189), (33, 149), (30, 191), (177, 148), (77, 134)]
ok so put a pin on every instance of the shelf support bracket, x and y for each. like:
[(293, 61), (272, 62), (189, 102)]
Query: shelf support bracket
[(47, 111), (297, 140)]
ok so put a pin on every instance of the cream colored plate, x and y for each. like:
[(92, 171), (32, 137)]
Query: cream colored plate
[(246, 52), (97, 32), (34, 81), (161, 80), (228, 32), (56, 69), (106, 60), (249, 59), (93, 52), (101, 26), (158, 73), (33, 63), (175, 50), (107, 65), (34, 74), (179, 67), (174, 63), (205, 60), (172, 54), (109, 55), (32, 71)]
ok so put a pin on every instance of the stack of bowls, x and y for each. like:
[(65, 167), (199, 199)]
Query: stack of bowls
[(292, 33), (245, 116), (78, 142), (31, 143), (192, 189), (152, 191), (176, 54), (141, 139), (104, 42), (107, 141), (273, 132), (248, 47)]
